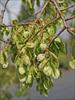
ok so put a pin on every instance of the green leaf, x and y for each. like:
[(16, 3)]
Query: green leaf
[(5, 65), (58, 39), (56, 74), (29, 79), (22, 79), (26, 60), (42, 64), (72, 64), (1, 58), (26, 34), (43, 46), (30, 44), (47, 70), (53, 55), (30, 3), (51, 30), (38, 2), (41, 57), (21, 70)]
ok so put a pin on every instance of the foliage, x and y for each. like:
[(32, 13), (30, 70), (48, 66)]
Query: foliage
[(34, 47), (27, 10), (72, 63), (31, 56)]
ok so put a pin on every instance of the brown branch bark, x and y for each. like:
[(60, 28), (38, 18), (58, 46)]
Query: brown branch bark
[(63, 18), (38, 14), (68, 7), (59, 12), (69, 18), (60, 16), (2, 16)]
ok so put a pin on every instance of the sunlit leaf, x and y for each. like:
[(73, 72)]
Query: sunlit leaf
[(29, 48), (30, 45), (26, 59), (40, 57), (22, 79), (56, 74), (58, 39), (21, 70), (5, 65), (43, 46), (30, 3), (47, 70), (29, 79)]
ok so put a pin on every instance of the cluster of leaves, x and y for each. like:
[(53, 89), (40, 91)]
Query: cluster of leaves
[(32, 56), (30, 49), (28, 10), (3, 47)]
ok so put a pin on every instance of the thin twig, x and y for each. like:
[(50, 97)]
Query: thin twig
[(56, 35), (68, 7), (26, 23), (32, 36), (62, 17), (4, 10), (59, 12), (38, 14), (50, 23), (69, 18), (70, 31)]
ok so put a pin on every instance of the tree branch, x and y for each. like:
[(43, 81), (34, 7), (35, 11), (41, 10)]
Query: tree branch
[(59, 12), (2, 16), (56, 35), (68, 7), (69, 18), (38, 14), (62, 17)]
